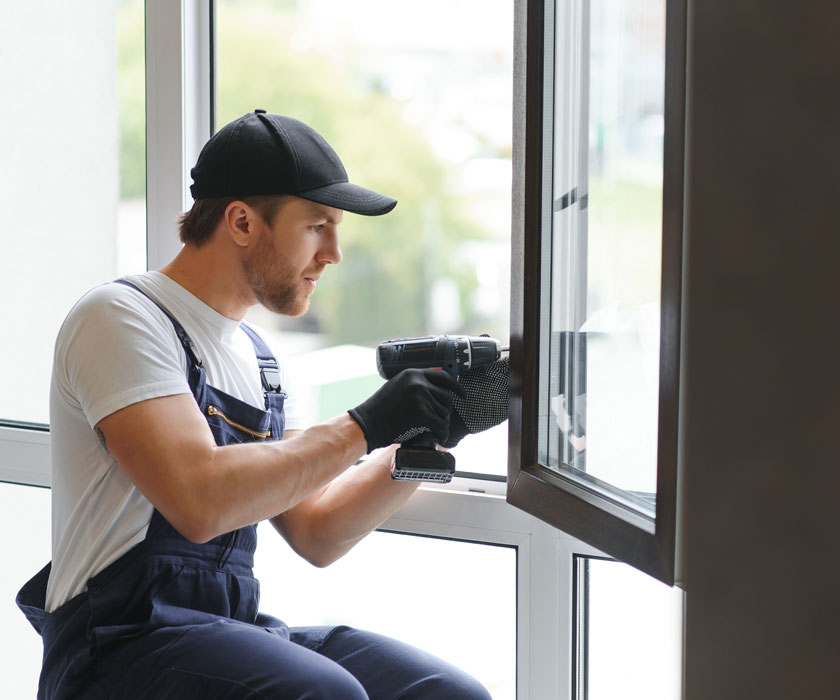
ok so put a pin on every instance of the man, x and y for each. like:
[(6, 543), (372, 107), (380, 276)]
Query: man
[(166, 419)]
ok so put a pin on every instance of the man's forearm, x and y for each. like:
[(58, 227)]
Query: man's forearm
[(281, 474), (327, 525), (166, 448)]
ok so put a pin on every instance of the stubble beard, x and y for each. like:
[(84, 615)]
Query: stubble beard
[(273, 285)]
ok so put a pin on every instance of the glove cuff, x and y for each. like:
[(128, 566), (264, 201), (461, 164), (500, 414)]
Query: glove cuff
[(367, 429)]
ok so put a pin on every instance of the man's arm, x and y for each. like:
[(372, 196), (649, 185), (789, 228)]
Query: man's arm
[(166, 448), (327, 524)]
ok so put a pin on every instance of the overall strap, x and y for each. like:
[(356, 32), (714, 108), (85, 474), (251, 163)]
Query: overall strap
[(189, 346), (269, 369)]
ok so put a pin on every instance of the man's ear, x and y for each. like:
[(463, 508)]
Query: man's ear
[(238, 219)]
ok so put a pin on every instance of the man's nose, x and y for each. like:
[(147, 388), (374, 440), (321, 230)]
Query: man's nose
[(330, 252)]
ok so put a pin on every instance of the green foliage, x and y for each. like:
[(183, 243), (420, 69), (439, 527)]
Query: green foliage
[(131, 90)]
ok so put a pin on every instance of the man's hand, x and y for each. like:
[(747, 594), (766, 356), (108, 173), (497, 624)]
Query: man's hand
[(414, 398), (483, 402)]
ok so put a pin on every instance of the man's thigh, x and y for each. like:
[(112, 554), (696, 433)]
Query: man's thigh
[(390, 669), (229, 661)]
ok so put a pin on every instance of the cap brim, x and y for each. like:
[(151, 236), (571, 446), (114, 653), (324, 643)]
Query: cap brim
[(350, 197)]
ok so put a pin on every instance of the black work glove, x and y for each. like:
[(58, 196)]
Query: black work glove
[(414, 401), (485, 401)]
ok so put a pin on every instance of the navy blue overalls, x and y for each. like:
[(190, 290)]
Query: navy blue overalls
[(176, 619)]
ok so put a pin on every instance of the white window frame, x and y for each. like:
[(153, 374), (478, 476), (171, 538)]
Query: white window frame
[(25, 456), (178, 86)]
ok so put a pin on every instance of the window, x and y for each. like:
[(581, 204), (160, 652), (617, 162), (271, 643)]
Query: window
[(178, 75), (73, 184), (417, 108), (597, 245), (73, 178), (628, 633), (24, 509), (455, 599)]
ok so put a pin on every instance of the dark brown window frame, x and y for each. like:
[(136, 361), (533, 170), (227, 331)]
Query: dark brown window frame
[(647, 543)]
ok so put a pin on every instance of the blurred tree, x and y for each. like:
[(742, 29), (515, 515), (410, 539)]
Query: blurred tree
[(381, 288), (131, 91)]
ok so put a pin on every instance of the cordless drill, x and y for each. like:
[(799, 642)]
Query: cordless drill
[(418, 459)]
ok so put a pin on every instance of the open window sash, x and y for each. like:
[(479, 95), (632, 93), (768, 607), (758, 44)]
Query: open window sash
[(556, 334)]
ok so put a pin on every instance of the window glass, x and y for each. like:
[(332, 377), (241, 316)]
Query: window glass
[(456, 600), (23, 509), (418, 104), (601, 414), (629, 634), (72, 124)]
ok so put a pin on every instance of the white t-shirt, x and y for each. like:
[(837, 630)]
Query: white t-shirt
[(116, 348)]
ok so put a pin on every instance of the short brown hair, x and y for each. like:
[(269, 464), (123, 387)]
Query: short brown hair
[(196, 226)]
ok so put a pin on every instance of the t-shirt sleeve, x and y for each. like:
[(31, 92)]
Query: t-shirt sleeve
[(116, 348)]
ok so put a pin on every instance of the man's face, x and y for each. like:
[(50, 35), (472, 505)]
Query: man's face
[(287, 258)]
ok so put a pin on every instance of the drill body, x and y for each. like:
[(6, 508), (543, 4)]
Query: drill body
[(418, 458)]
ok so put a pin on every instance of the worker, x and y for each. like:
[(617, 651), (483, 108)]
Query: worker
[(174, 430)]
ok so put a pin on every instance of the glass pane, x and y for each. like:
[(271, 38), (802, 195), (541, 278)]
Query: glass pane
[(601, 413), (456, 600), (72, 117), (23, 509), (418, 105), (630, 634)]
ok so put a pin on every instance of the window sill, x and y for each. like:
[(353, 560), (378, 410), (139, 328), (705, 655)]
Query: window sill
[(25, 456)]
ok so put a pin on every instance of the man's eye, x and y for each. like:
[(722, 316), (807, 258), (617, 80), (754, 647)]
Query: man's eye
[(317, 228)]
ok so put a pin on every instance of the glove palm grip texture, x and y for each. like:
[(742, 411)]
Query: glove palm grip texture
[(485, 405), (486, 400)]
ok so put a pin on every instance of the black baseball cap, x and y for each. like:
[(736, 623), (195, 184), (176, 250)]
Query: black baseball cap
[(262, 153)]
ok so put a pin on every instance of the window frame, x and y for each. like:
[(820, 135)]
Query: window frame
[(179, 114), (25, 453), (628, 535)]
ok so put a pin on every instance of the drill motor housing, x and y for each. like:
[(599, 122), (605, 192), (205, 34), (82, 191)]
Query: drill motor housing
[(418, 459), (453, 353)]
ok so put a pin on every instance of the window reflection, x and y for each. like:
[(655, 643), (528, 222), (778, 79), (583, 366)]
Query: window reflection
[(601, 417)]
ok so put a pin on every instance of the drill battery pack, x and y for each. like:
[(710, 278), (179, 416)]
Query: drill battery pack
[(422, 464)]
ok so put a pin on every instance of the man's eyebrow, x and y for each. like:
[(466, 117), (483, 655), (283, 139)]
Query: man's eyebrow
[(322, 212)]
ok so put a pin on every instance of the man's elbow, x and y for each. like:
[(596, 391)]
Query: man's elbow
[(322, 558), (318, 552), (192, 523), (197, 533)]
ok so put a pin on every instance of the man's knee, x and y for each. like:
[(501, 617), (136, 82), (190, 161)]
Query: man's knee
[(390, 668), (443, 686), (468, 688), (331, 684)]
